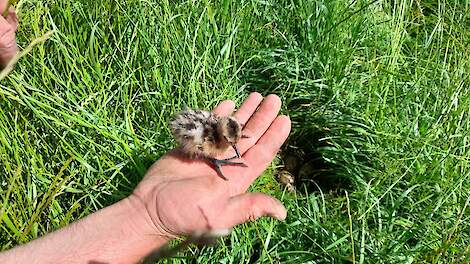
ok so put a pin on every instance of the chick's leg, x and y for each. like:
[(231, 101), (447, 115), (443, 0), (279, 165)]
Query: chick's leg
[(237, 153), (219, 163)]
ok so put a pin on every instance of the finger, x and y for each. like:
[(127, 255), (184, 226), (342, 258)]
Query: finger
[(7, 32), (224, 108), (251, 206), (262, 154), (4, 23), (12, 19), (3, 5), (8, 47), (248, 107), (260, 122)]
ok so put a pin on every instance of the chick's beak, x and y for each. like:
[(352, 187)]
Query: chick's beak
[(234, 146)]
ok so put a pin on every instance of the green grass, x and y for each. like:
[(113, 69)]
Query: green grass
[(378, 93)]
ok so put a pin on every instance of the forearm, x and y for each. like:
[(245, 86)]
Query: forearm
[(120, 233)]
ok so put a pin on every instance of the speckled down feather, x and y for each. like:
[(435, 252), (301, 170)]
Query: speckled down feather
[(203, 134)]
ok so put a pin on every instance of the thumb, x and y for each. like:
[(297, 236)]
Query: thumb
[(251, 206)]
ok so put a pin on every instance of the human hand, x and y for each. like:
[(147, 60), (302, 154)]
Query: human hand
[(8, 26), (178, 196), (182, 196)]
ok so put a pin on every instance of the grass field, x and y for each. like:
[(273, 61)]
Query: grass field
[(378, 92)]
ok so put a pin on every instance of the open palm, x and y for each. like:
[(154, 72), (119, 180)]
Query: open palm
[(183, 195)]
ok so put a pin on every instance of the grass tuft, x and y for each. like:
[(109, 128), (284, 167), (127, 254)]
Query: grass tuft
[(378, 93)]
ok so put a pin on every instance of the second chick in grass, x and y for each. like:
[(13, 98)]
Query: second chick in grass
[(202, 134)]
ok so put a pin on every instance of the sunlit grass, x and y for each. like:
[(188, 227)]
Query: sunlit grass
[(378, 93)]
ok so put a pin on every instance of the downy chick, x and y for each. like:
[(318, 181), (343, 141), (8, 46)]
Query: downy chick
[(202, 134)]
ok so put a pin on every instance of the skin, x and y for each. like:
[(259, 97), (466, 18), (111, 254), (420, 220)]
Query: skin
[(8, 27), (177, 197)]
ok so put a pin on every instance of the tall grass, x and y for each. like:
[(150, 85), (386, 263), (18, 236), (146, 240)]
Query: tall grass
[(378, 92)]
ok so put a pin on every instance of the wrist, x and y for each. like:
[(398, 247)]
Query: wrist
[(139, 223), (145, 198), (120, 233)]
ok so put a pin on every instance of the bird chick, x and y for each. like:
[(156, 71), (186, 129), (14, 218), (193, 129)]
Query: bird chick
[(202, 134)]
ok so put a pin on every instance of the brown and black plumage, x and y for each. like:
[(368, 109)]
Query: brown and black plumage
[(203, 134)]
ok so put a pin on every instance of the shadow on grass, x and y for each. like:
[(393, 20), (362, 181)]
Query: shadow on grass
[(302, 157), (303, 153)]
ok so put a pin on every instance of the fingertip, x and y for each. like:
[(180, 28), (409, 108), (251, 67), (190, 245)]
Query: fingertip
[(279, 130), (273, 207), (228, 104), (274, 100), (248, 107), (225, 108), (285, 123), (280, 211), (255, 95), (3, 5), (286, 117), (282, 215)]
